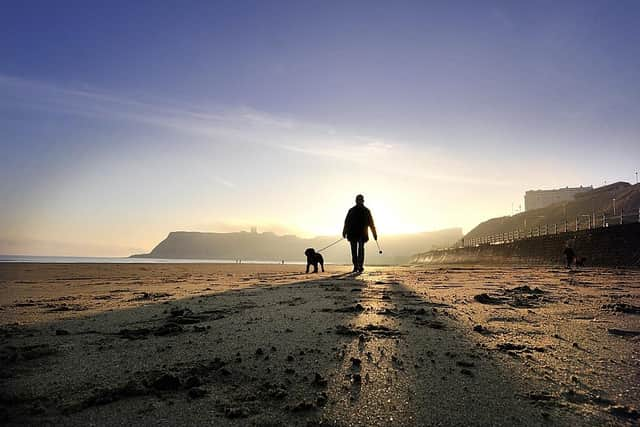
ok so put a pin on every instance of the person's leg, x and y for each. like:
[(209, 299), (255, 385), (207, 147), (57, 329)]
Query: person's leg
[(354, 254), (361, 255)]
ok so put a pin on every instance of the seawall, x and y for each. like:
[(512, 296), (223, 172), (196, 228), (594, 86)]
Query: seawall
[(613, 246)]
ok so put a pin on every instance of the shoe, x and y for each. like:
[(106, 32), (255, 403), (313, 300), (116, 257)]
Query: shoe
[(361, 269), (355, 269)]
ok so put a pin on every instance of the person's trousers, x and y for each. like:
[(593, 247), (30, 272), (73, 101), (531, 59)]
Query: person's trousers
[(357, 253)]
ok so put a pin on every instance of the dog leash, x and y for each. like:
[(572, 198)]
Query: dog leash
[(334, 243)]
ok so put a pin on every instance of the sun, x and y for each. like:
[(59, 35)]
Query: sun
[(388, 221)]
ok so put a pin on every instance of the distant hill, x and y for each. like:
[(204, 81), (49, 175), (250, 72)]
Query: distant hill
[(598, 201), (271, 247)]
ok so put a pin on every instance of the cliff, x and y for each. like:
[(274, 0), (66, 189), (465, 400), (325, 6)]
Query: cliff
[(271, 247), (598, 201)]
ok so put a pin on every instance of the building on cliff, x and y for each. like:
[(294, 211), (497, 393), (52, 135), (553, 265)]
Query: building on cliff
[(537, 199)]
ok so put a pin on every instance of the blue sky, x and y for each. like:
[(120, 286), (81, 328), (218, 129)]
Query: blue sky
[(122, 121)]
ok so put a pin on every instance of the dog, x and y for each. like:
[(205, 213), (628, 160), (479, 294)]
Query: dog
[(580, 260), (314, 258)]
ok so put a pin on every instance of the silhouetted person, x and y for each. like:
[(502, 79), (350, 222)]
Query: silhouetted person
[(356, 230), (570, 255)]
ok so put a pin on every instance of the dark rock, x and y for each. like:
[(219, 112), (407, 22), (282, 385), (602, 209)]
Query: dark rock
[(303, 406), (166, 382), (319, 381), (465, 364), (479, 328), (575, 396), (197, 392), (358, 308), (277, 391), (322, 399), (215, 364), (193, 381), (484, 298), (466, 372), (381, 330), (134, 334), (343, 330), (624, 412), (62, 332), (177, 311), (433, 324), (623, 332), (168, 329), (622, 308), (355, 362), (259, 352), (236, 412), (508, 346), (526, 290), (542, 396)]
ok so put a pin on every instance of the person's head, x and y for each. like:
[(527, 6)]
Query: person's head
[(359, 199)]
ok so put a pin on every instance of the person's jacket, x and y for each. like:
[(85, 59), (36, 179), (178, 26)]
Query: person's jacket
[(357, 224)]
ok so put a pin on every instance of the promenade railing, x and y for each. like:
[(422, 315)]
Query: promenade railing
[(581, 222)]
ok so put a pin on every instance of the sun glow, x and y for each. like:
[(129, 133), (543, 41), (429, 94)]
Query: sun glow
[(389, 221)]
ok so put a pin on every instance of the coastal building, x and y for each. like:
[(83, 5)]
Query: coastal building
[(536, 199)]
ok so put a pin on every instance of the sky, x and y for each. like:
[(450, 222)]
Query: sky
[(123, 121)]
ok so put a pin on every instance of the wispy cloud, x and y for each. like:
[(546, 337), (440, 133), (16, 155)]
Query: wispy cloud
[(236, 125), (241, 124)]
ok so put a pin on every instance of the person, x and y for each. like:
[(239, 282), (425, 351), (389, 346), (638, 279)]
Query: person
[(356, 231), (569, 254)]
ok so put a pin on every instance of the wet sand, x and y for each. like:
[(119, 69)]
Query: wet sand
[(176, 344)]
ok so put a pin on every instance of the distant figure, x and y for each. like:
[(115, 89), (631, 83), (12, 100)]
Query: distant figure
[(570, 255), (356, 230), (282, 262), (314, 258)]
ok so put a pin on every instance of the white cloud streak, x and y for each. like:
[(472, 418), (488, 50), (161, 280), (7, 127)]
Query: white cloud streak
[(237, 125)]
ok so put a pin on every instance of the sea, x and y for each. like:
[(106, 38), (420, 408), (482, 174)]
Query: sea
[(126, 260)]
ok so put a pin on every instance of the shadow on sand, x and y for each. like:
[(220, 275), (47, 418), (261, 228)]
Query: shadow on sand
[(341, 349)]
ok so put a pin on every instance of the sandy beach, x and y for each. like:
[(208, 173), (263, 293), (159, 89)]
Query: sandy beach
[(266, 345)]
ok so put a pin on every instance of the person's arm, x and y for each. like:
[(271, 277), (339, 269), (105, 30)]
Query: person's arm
[(373, 227), (346, 226)]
